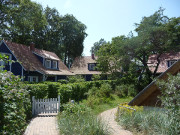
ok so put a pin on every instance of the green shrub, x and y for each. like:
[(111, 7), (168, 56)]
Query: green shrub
[(125, 90), (96, 77), (170, 99), (38, 90), (78, 119), (63, 81), (15, 104), (53, 89), (75, 79), (75, 91), (97, 95)]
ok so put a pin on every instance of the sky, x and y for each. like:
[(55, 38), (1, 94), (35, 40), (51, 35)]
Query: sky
[(110, 18)]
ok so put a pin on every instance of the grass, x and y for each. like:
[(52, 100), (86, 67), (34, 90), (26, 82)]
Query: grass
[(149, 123), (77, 119), (98, 108)]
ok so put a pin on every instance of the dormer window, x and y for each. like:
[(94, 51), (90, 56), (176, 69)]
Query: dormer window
[(54, 65), (48, 64), (92, 67), (171, 62)]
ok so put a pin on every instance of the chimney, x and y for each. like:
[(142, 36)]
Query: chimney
[(92, 56), (32, 47)]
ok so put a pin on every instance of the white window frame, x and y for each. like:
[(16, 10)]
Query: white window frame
[(48, 66), (30, 78), (171, 62), (92, 66), (54, 67)]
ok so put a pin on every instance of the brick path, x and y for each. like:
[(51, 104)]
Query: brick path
[(43, 125)]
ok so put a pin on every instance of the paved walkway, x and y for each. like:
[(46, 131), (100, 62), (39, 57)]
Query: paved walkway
[(43, 125), (109, 118)]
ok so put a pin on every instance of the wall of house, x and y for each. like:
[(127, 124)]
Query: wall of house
[(88, 77), (33, 73), (61, 77), (16, 67)]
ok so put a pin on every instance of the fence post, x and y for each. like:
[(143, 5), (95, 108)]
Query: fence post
[(33, 104), (59, 103)]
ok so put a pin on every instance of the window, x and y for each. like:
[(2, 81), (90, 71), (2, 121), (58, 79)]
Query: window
[(33, 78), (92, 67), (48, 63), (171, 62), (54, 65)]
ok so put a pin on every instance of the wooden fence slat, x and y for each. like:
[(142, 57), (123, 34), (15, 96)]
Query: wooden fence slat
[(42, 106)]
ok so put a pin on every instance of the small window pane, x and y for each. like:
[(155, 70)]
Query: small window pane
[(54, 64), (48, 63)]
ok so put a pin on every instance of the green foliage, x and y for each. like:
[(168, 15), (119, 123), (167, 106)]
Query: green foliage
[(25, 21), (125, 90), (75, 91), (97, 95), (15, 104), (76, 79), (38, 90), (148, 122), (63, 81), (77, 119), (157, 34), (97, 45), (96, 77), (170, 99)]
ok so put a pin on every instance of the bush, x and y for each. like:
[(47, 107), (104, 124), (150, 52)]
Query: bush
[(170, 99), (97, 95), (125, 90), (78, 119), (15, 104), (96, 77), (38, 90), (75, 79), (63, 81), (75, 91)]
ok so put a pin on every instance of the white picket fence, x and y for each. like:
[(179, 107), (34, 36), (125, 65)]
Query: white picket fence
[(45, 106)]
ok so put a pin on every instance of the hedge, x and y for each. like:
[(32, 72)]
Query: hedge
[(75, 91), (15, 106)]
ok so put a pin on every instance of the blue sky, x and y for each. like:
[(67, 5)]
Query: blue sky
[(110, 18)]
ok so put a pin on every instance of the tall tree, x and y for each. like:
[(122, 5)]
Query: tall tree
[(24, 21), (73, 35), (52, 32), (97, 45)]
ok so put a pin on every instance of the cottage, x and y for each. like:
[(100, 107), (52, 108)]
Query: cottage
[(32, 64), (149, 95), (85, 66), (166, 60)]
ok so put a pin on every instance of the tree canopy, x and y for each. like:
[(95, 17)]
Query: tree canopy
[(24, 21), (156, 34)]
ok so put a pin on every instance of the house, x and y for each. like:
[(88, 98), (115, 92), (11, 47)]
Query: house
[(166, 60), (149, 95), (85, 66), (33, 65)]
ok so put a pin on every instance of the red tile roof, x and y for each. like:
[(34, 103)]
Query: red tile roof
[(80, 65), (164, 58), (31, 63)]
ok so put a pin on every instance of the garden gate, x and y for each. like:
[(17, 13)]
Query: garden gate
[(44, 106)]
